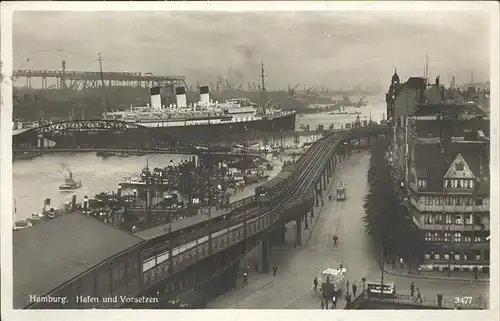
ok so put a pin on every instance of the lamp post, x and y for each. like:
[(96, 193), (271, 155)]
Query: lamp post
[(449, 263)]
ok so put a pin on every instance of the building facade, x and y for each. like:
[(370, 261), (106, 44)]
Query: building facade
[(440, 162)]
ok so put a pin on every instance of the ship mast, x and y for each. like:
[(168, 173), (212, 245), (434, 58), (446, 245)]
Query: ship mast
[(103, 86)]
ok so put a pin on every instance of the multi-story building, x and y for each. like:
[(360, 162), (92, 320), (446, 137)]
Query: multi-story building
[(440, 157)]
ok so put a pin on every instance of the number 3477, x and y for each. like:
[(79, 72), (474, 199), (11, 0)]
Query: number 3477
[(463, 300)]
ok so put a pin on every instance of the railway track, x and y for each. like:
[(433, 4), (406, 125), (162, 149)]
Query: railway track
[(308, 164)]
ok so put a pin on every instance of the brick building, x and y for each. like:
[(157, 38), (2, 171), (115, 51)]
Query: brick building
[(440, 159)]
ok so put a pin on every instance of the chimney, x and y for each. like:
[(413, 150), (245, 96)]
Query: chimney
[(180, 94), (204, 95), (154, 92)]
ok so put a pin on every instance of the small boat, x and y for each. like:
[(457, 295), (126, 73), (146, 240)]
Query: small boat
[(70, 184)]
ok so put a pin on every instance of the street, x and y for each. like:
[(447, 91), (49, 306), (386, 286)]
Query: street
[(292, 287)]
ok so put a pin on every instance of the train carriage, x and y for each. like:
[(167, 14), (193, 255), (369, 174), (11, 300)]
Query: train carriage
[(277, 186)]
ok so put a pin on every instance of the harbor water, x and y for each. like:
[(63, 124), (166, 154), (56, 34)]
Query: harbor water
[(37, 179)]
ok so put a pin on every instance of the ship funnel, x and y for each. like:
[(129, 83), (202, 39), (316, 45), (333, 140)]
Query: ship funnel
[(155, 97), (180, 93), (204, 95)]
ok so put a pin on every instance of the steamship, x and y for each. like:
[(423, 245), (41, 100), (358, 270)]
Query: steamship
[(206, 119)]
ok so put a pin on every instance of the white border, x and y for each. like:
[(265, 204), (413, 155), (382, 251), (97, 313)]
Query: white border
[(7, 9)]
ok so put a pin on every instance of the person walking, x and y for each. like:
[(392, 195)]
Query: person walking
[(245, 279), (335, 239), (275, 269), (334, 302), (315, 282), (419, 296), (342, 266), (412, 288), (440, 300), (354, 289), (330, 198)]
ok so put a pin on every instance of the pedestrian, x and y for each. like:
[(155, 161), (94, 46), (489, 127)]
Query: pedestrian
[(412, 288), (347, 286), (322, 304), (335, 239), (315, 282), (275, 269), (329, 197), (440, 300), (334, 302), (354, 289), (348, 300), (245, 279), (401, 262), (419, 296), (341, 265)]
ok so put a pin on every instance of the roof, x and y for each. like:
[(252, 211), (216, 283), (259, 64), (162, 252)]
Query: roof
[(449, 110), (450, 127), (429, 160), (49, 254), (415, 83)]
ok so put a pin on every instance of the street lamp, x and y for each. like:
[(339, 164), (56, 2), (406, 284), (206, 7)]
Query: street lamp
[(449, 263)]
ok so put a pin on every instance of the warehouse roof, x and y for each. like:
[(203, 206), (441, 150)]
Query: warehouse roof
[(51, 253)]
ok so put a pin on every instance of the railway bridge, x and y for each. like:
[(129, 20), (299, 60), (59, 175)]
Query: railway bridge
[(200, 259)]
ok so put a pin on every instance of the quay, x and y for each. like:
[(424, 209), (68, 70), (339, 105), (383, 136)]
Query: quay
[(154, 265)]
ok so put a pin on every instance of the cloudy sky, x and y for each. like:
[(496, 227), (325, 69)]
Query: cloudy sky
[(332, 48)]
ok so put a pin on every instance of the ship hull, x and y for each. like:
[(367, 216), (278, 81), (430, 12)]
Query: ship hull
[(229, 131)]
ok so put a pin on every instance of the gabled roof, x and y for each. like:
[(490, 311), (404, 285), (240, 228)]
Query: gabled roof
[(453, 173), (429, 160)]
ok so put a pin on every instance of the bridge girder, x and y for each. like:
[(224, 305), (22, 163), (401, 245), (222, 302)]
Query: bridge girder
[(72, 134)]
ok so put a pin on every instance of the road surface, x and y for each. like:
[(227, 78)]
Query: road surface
[(292, 286)]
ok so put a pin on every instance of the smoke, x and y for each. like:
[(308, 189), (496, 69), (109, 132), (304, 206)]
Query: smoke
[(65, 169)]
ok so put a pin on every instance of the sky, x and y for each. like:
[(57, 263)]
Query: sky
[(337, 49)]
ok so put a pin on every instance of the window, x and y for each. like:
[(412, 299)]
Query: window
[(468, 219), (478, 238), (477, 255), (458, 201), (458, 219), (428, 218), (446, 183), (467, 237), (439, 219), (447, 236), (422, 183), (457, 237), (467, 201), (459, 183), (446, 256), (449, 200), (454, 183), (485, 201), (427, 256), (428, 200), (438, 201), (459, 166), (477, 219), (471, 184), (447, 218), (457, 257), (479, 201), (428, 236), (437, 256), (438, 236)]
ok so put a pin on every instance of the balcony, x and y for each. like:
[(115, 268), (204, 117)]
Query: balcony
[(421, 207), (454, 227)]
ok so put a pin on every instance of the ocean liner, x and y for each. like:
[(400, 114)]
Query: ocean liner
[(206, 119)]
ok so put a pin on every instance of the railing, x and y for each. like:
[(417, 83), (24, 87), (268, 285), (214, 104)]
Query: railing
[(459, 302)]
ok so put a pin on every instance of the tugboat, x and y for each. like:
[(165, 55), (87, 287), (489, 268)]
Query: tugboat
[(70, 184)]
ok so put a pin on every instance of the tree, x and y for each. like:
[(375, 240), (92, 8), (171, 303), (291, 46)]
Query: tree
[(386, 218)]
